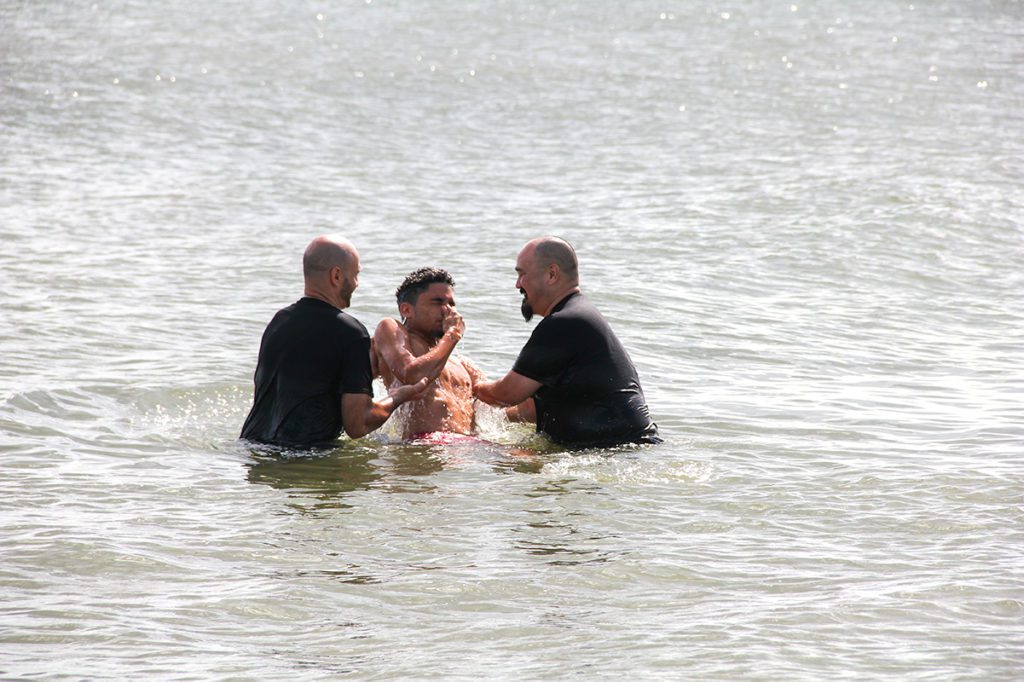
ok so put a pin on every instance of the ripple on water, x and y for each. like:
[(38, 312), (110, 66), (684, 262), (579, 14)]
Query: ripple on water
[(818, 283)]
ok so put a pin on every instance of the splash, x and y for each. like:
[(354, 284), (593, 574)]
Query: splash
[(489, 423), (394, 427)]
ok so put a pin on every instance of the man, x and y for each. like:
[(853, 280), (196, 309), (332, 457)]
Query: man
[(313, 376), (584, 386), (420, 346)]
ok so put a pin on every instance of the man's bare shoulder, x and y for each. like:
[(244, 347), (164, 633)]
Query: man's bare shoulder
[(389, 324), (390, 343), (388, 328)]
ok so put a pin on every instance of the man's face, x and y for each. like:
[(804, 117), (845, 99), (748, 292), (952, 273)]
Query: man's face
[(529, 281), (427, 314), (349, 283)]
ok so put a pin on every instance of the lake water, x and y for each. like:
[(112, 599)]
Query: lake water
[(805, 221)]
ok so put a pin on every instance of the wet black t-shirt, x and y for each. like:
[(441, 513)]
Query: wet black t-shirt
[(591, 394), (310, 355)]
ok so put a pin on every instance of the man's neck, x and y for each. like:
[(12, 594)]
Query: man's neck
[(313, 293), (558, 298)]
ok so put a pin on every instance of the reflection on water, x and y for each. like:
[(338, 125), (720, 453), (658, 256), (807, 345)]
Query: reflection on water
[(563, 487), (520, 460), (352, 575), (318, 481), (801, 219), (565, 543), (326, 476)]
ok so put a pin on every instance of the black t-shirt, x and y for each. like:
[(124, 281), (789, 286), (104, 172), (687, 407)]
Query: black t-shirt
[(591, 394), (311, 353)]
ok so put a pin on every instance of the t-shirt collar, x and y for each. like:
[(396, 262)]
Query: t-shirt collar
[(561, 304)]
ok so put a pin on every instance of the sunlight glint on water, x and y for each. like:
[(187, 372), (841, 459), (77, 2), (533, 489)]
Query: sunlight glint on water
[(803, 220)]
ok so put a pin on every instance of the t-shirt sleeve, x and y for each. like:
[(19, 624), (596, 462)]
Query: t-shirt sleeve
[(356, 375), (547, 354)]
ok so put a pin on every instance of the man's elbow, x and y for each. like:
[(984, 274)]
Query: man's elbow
[(409, 373), (355, 428), (354, 420), (356, 431)]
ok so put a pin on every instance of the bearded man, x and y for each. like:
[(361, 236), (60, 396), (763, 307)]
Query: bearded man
[(313, 375), (584, 387)]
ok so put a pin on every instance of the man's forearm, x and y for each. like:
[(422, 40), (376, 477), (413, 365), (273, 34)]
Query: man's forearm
[(361, 414), (484, 391), (378, 412), (432, 363), (360, 417), (511, 389), (525, 411)]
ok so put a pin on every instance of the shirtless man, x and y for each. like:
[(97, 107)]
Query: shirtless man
[(420, 346)]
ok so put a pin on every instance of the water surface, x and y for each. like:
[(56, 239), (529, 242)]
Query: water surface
[(804, 220)]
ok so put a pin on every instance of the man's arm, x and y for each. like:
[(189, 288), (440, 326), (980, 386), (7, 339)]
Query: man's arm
[(361, 414), (525, 411), (390, 342), (511, 389)]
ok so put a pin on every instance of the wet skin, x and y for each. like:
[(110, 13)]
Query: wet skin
[(423, 346)]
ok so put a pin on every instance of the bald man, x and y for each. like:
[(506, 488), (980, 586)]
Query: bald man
[(313, 376), (573, 378)]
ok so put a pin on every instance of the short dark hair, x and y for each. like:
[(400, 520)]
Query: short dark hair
[(418, 281)]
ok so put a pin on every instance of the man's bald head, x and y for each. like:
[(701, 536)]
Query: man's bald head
[(547, 272), (330, 267), (555, 251), (326, 252)]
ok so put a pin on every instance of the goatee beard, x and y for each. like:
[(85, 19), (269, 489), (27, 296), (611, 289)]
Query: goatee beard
[(526, 309)]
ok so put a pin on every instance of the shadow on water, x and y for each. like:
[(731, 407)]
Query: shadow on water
[(326, 475)]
